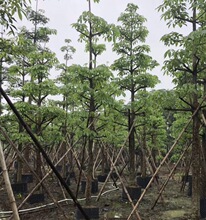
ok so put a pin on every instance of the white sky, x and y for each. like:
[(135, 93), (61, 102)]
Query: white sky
[(62, 13)]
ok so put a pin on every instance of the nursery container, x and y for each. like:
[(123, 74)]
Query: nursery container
[(94, 188), (91, 211), (27, 178), (36, 198), (19, 187), (102, 178), (143, 181), (133, 191), (203, 208)]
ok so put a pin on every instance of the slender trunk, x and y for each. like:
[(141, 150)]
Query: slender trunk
[(154, 150), (196, 142), (143, 159), (27, 153), (39, 164), (90, 125), (203, 163), (89, 171), (103, 160), (203, 153), (38, 153), (196, 168), (71, 158), (19, 166), (131, 120)]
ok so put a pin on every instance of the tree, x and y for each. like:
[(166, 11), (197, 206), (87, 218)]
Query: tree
[(9, 8), (93, 81), (29, 82), (151, 126), (132, 67), (187, 66)]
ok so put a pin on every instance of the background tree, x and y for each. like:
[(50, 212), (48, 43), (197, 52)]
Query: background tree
[(93, 80), (10, 8), (151, 126), (132, 67), (29, 79), (187, 65)]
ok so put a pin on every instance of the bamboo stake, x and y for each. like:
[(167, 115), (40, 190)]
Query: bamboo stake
[(124, 188), (25, 161), (165, 158), (117, 157), (8, 185), (156, 180), (44, 154), (152, 165), (204, 119), (42, 180), (170, 175)]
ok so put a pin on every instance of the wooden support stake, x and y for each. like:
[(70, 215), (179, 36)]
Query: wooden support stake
[(8, 185), (33, 172), (124, 188), (43, 152), (165, 158), (117, 157), (171, 173)]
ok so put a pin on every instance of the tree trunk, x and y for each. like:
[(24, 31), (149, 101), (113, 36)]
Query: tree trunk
[(27, 155), (196, 168), (38, 164), (131, 129), (143, 159), (196, 128), (203, 166), (89, 172)]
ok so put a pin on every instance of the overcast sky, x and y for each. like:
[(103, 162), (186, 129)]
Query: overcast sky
[(62, 13)]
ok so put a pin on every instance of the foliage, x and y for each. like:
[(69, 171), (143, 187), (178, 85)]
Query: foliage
[(134, 62), (8, 8)]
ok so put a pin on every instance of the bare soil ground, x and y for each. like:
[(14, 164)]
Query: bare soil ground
[(175, 204)]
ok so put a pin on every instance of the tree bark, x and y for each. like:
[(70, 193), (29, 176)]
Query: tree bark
[(131, 129), (196, 168), (195, 135)]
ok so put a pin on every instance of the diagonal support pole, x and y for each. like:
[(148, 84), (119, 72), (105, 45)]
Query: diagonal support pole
[(165, 158), (44, 154)]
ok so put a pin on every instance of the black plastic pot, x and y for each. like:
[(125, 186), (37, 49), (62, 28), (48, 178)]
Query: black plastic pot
[(102, 178), (19, 187), (27, 178), (134, 192), (36, 198), (94, 188), (203, 208), (91, 212), (143, 181)]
